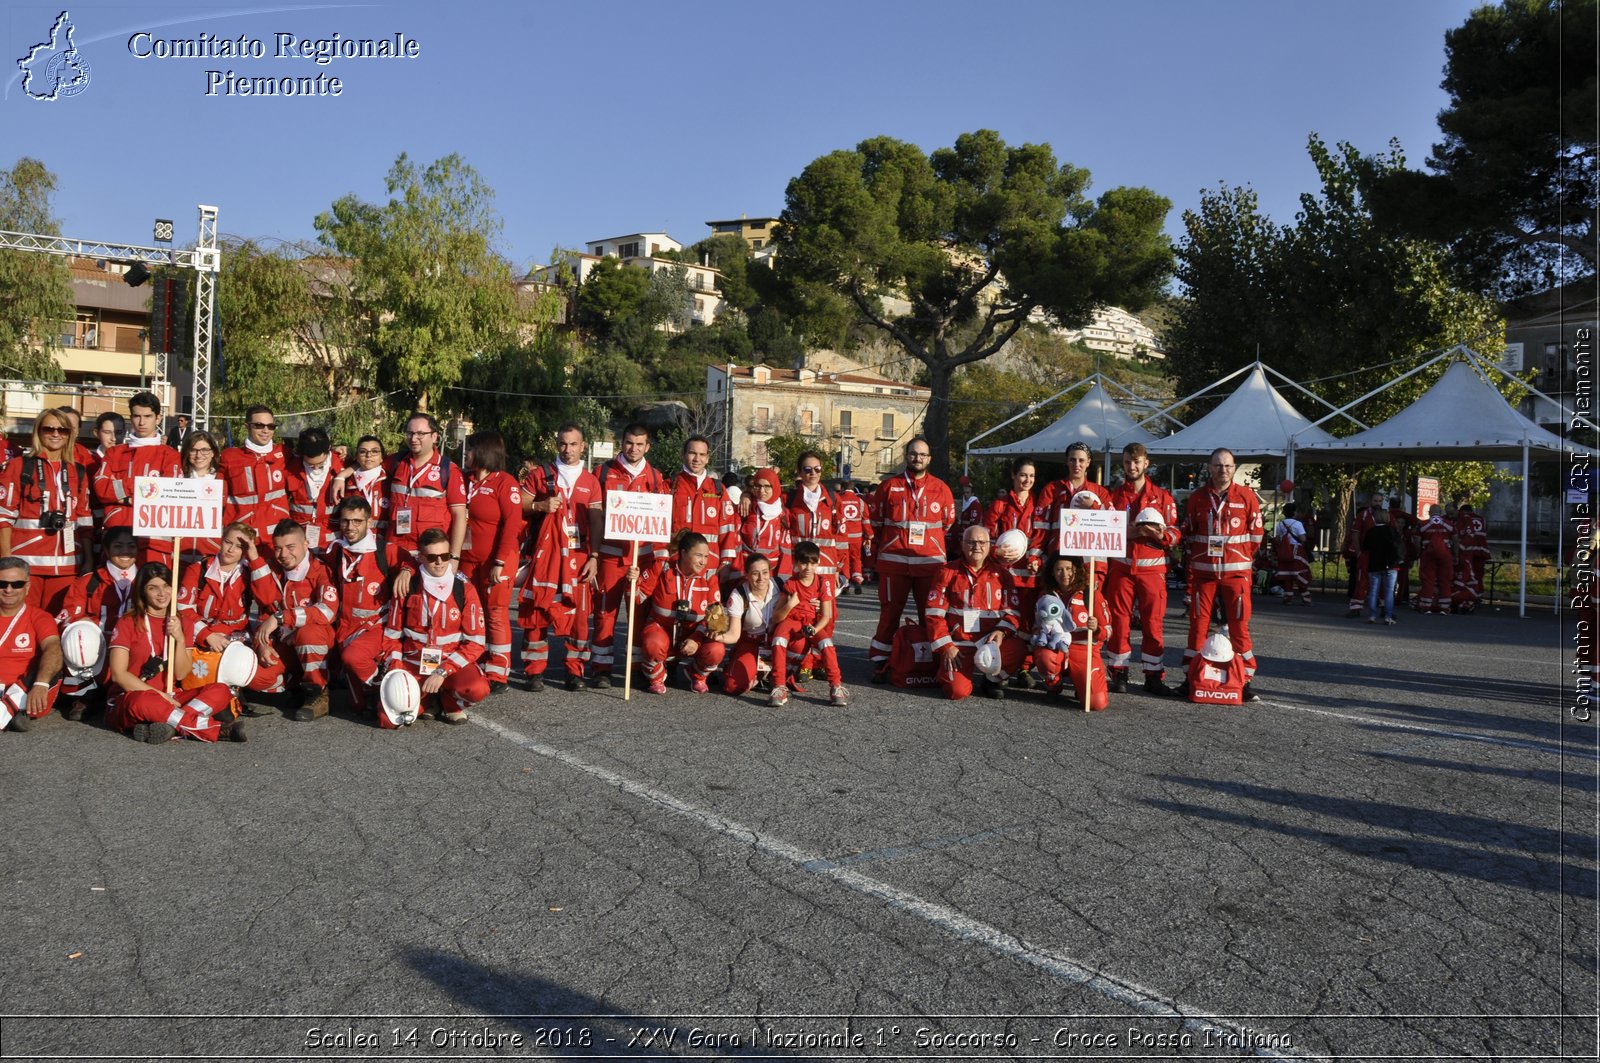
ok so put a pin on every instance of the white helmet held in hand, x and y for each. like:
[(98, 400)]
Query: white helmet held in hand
[(1011, 546), (1086, 500), (401, 696), (987, 658), (83, 648), (238, 665), (1150, 515), (1217, 649)]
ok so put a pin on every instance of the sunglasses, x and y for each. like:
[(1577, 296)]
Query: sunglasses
[(13, 584), (52, 430), (264, 425), (435, 557), (812, 468)]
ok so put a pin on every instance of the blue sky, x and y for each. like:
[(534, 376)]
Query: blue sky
[(593, 120)]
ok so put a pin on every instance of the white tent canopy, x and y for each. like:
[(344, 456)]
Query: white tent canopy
[(1256, 423), (1096, 419)]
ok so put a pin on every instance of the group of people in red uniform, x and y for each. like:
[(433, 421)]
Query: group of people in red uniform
[(1450, 550), (411, 563)]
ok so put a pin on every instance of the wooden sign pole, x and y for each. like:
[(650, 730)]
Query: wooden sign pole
[(172, 613), (633, 586)]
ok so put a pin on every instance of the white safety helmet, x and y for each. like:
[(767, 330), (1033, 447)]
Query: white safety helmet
[(1011, 545), (1217, 649), (1086, 500), (238, 665), (987, 658), (1150, 515), (83, 648), (401, 696)]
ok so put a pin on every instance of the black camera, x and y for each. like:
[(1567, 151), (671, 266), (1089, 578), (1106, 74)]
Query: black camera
[(152, 668), (683, 614), (53, 521)]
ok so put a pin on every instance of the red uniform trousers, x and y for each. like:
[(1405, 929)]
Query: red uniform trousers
[(15, 697), (1078, 662), (894, 587), (787, 637), (612, 600), (1437, 570), (462, 689), (573, 626), (957, 679), (850, 562), (303, 654), (1234, 595), (360, 653), (48, 592), (659, 644), (742, 663), (496, 598), (1126, 584), (200, 713)]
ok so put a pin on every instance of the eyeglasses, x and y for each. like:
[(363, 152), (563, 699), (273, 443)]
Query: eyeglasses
[(13, 584), (418, 435), (264, 425), (52, 430), (201, 450), (370, 452), (919, 454), (977, 542)]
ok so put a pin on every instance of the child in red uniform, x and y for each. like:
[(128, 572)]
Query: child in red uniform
[(803, 622), (1066, 579), (677, 607), (138, 666)]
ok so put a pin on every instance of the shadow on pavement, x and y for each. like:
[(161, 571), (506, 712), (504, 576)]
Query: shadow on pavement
[(1576, 779), (1470, 859), (556, 1021)]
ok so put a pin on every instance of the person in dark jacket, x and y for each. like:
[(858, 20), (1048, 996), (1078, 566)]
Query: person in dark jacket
[(1386, 554)]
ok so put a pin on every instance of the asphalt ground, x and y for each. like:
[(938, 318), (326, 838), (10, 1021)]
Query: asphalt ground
[(1393, 854)]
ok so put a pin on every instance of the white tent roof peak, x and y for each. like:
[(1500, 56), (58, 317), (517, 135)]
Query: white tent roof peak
[(1096, 419), (1255, 422)]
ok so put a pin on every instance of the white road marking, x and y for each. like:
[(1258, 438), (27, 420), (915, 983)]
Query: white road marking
[(1463, 736), (1052, 962)]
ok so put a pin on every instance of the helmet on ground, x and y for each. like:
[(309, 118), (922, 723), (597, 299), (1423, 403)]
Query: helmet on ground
[(1150, 515), (238, 665), (1011, 545), (401, 696), (83, 648), (987, 658), (1217, 649)]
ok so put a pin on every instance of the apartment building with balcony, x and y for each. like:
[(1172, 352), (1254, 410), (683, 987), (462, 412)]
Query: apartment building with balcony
[(756, 232), (1118, 333), (860, 418), (643, 251)]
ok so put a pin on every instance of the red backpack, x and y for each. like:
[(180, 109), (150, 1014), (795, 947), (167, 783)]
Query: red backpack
[(911, 660)]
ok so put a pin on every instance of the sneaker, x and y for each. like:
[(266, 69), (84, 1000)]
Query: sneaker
[(1353, 612), (1372, 620), (519, 680), (154, 733), (658, 686), (1119, 681), (856, 589), (698, 684), (601, 681), (1154, 685), (496, 689), (454, 716), (574, 682), (313, 704), (1388, 620), (880, 676), (236, 732), (73, 708), (1023, 680), (993, 691), (839, 696), (779, 696), (1306, 600), (1249, 694), (535, 684)]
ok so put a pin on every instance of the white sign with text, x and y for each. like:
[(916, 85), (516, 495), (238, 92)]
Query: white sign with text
[(638, 516), (170, 506), (1093, 533)]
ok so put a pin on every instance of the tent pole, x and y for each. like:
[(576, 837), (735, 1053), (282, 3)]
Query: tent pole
[(1353, 403), (1484, 364), (1196, 395), (1309, 394), (1522, 595), (1032, 407)]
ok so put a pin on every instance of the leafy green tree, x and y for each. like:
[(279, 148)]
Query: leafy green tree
[(430, 289), (975, 238), (1333, 300), (1513, 184), (612, 379), (612, 293), (525, 393), (729, 255), (36, 301), (783, 454)]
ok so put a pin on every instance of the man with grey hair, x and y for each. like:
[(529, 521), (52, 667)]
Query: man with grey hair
[(30, 651), (1222, 524)]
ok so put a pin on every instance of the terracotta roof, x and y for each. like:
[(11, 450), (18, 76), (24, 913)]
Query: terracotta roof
[(793, 376)]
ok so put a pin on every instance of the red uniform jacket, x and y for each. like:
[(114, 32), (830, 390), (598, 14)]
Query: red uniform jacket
[(1055, 497), (808, 610), (20, 639), (420, 497), (494, 522), (258, 488), (1143, 556), (313, 511), (1436, 535), (1472, 534), (55, 487), (614, 477), (672, 587), (1010, 513), (963, 605), (365, 578), (771, 539), (372, 485), (910, 520), (113, 484), (852, 518), (310, 599), (821, 526), (706, 508), (97, 596), (1224, 533), (220, 602), (454, 627)]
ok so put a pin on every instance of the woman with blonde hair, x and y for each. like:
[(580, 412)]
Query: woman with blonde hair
[(44, 512)]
